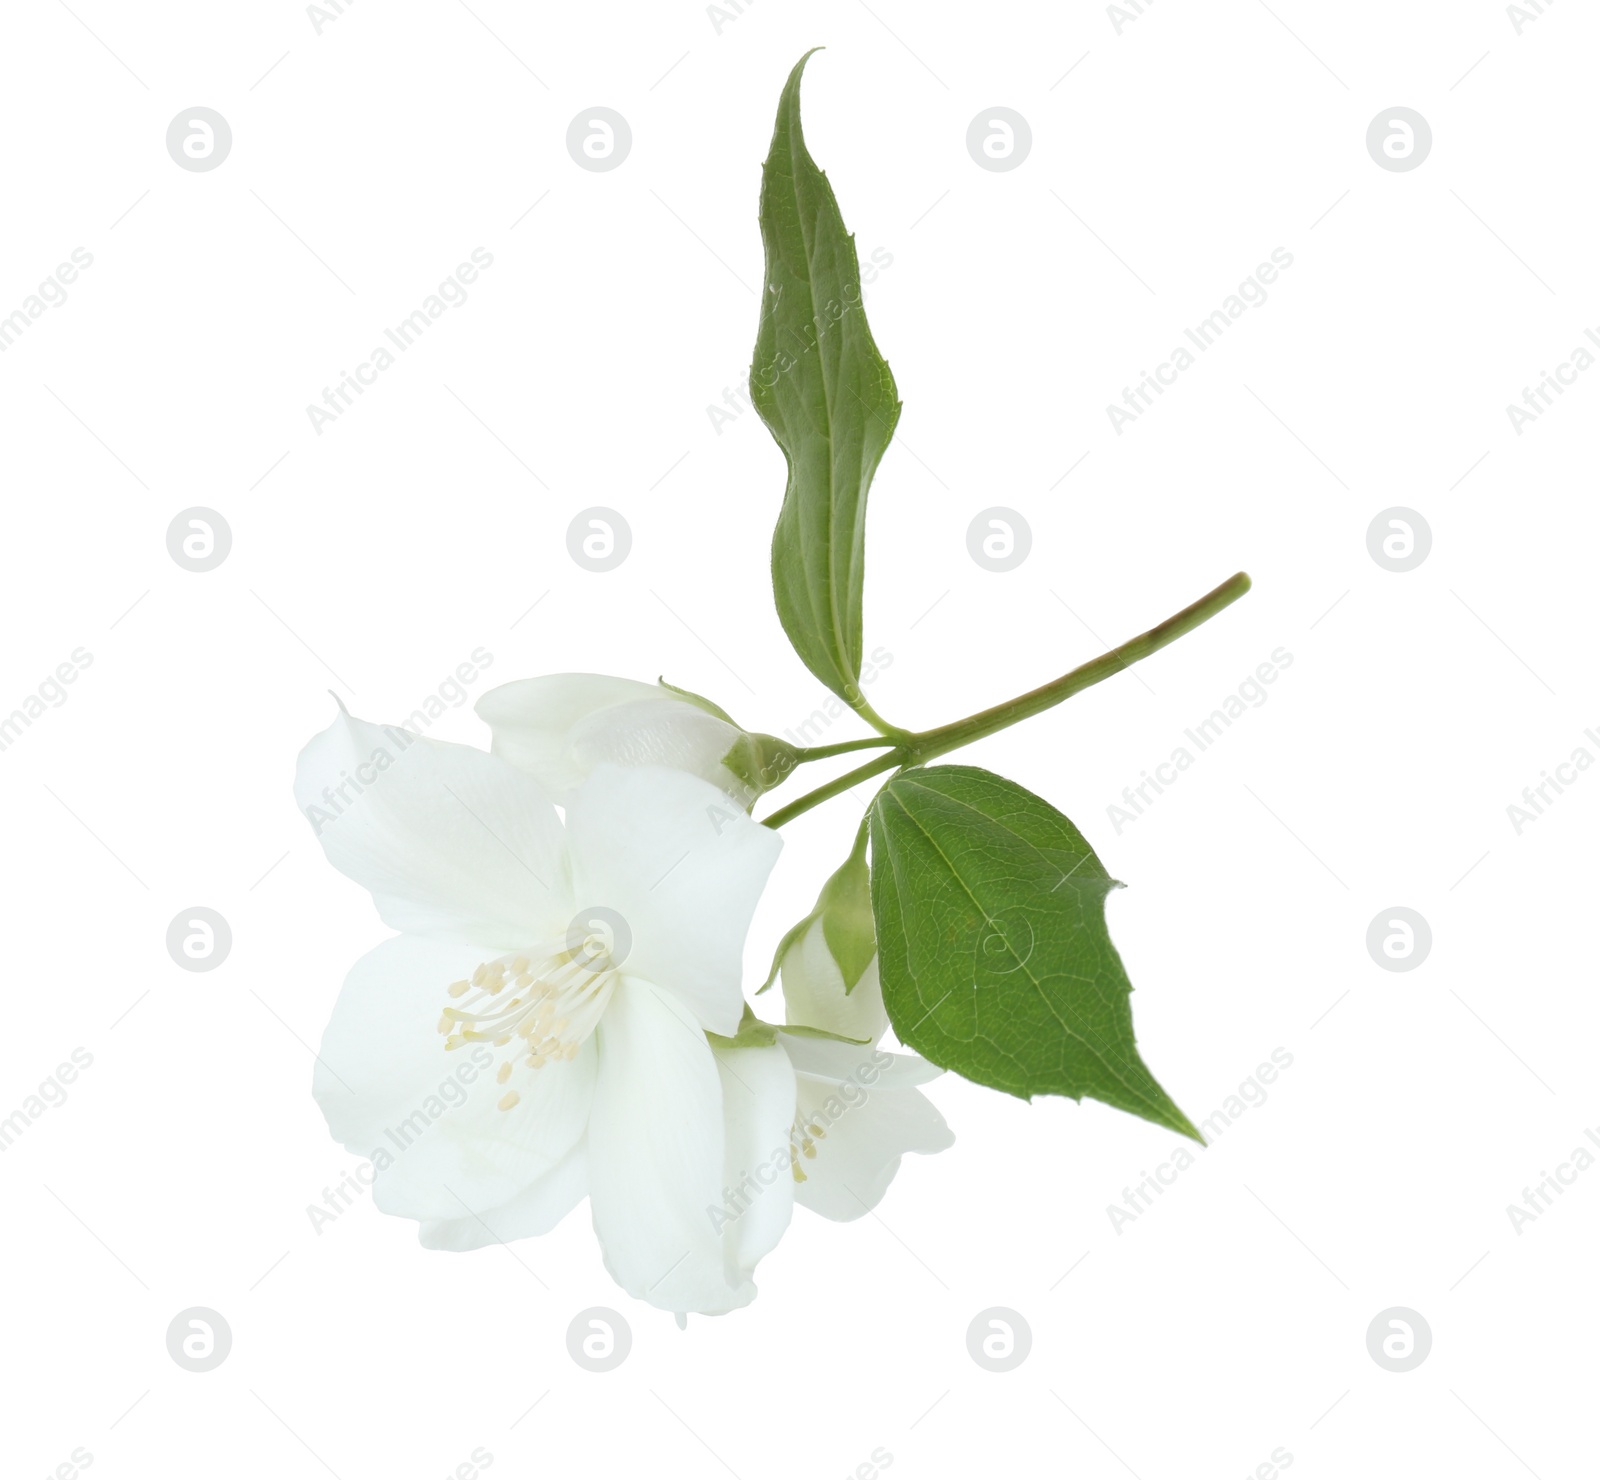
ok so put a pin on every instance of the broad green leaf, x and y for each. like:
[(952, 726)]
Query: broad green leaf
[(828, 399), (992, 943)]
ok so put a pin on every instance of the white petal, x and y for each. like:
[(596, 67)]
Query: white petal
[(684, 868), (380, 1054), (532, 720), (425, 1117), (450, 840), (859, 1153), (655, 1154), (814, 994), (531, 1213), (660, 732), (478, 1157), (758, 1103), (867, 1066)]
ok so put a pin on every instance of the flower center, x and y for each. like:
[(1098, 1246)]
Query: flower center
[(544, 1002)]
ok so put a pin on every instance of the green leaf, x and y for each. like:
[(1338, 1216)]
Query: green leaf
[(992, 943), (828, 399)]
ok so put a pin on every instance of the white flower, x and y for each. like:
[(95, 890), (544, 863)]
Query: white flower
[(833, 1145), (559, 727), (580, 1061), (857, 1112), (856, 1109)]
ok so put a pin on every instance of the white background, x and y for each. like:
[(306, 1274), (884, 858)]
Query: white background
[(368, 160)]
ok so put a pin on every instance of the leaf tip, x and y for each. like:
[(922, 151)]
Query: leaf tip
[(799, 68), (1184, 1126)]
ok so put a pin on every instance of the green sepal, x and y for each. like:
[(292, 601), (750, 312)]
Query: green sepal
[(845, 905), (790, 936), (798, 1030), (845, 909), (761, 761), (753, 1033), (701, 702)]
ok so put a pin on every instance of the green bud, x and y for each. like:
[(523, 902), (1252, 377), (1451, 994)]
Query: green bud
[(845, 906), (829, 953), (761, 761)]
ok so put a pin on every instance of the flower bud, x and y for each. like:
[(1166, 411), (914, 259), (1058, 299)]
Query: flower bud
[(829, 963)]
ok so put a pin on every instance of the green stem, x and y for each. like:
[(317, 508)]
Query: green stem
[(915, 750), (805, 753), (950, 737), (885, 762), (882, 726)]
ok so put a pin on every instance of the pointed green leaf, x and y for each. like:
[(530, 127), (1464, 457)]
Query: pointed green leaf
[(992, 943), (828, 399)]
